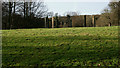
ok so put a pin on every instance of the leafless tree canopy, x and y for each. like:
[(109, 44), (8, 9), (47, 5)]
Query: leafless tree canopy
[(71, 13), (22, 9), (110, 14)]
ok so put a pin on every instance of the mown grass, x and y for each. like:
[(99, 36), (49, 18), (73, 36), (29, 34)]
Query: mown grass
[(90, 46)]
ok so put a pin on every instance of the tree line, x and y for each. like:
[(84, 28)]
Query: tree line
[(23, 14)]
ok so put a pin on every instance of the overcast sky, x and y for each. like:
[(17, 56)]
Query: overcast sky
[(82, 6), (77, 0)]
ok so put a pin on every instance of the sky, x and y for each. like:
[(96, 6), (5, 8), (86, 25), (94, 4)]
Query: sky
[(83, 7), (77, 0)]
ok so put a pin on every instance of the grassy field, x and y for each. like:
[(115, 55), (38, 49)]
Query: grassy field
[(90, 46)]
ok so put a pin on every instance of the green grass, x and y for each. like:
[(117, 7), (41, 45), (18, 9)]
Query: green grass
[(61, 47)]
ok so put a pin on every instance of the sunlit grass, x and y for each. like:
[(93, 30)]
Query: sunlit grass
[(84, 46)]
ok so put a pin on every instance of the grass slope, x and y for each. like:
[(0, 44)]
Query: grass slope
[(61, 47)]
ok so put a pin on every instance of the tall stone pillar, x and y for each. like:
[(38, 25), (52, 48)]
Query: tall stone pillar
[(45, 21), (52, 22), (93, 21), (84, 20)]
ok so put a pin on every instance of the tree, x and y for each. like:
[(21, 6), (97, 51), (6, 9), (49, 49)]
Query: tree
[(35, 9), (57, 23), (109, 15), (10, 14), (5, 9), (22, 14), (5, 14), (71, 13), (14, 7), (50, 14), (114, 11), (69, 21), (38, 9), (119, 13), (0, 15)]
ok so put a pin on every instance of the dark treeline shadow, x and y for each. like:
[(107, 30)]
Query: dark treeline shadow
[(17, 15)]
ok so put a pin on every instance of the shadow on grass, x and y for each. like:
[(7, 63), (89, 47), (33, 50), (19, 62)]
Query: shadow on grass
[(62, 55)]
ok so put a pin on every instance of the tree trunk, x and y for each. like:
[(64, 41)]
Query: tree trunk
[(10, 12), (24, 9), (0, 16), (119, 13), (30, 10), (14, 7)]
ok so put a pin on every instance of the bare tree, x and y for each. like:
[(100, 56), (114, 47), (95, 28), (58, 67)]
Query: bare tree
[(35, 9), (10, 14), (5, 9), (109, 15), (38, 9), (23, 10), (71, 13), (14, 7), (50, 14)]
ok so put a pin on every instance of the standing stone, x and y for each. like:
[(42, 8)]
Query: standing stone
[(70, 22), (52, 22), (93, 21), (84, 20), (45, 22), (109, 24)]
